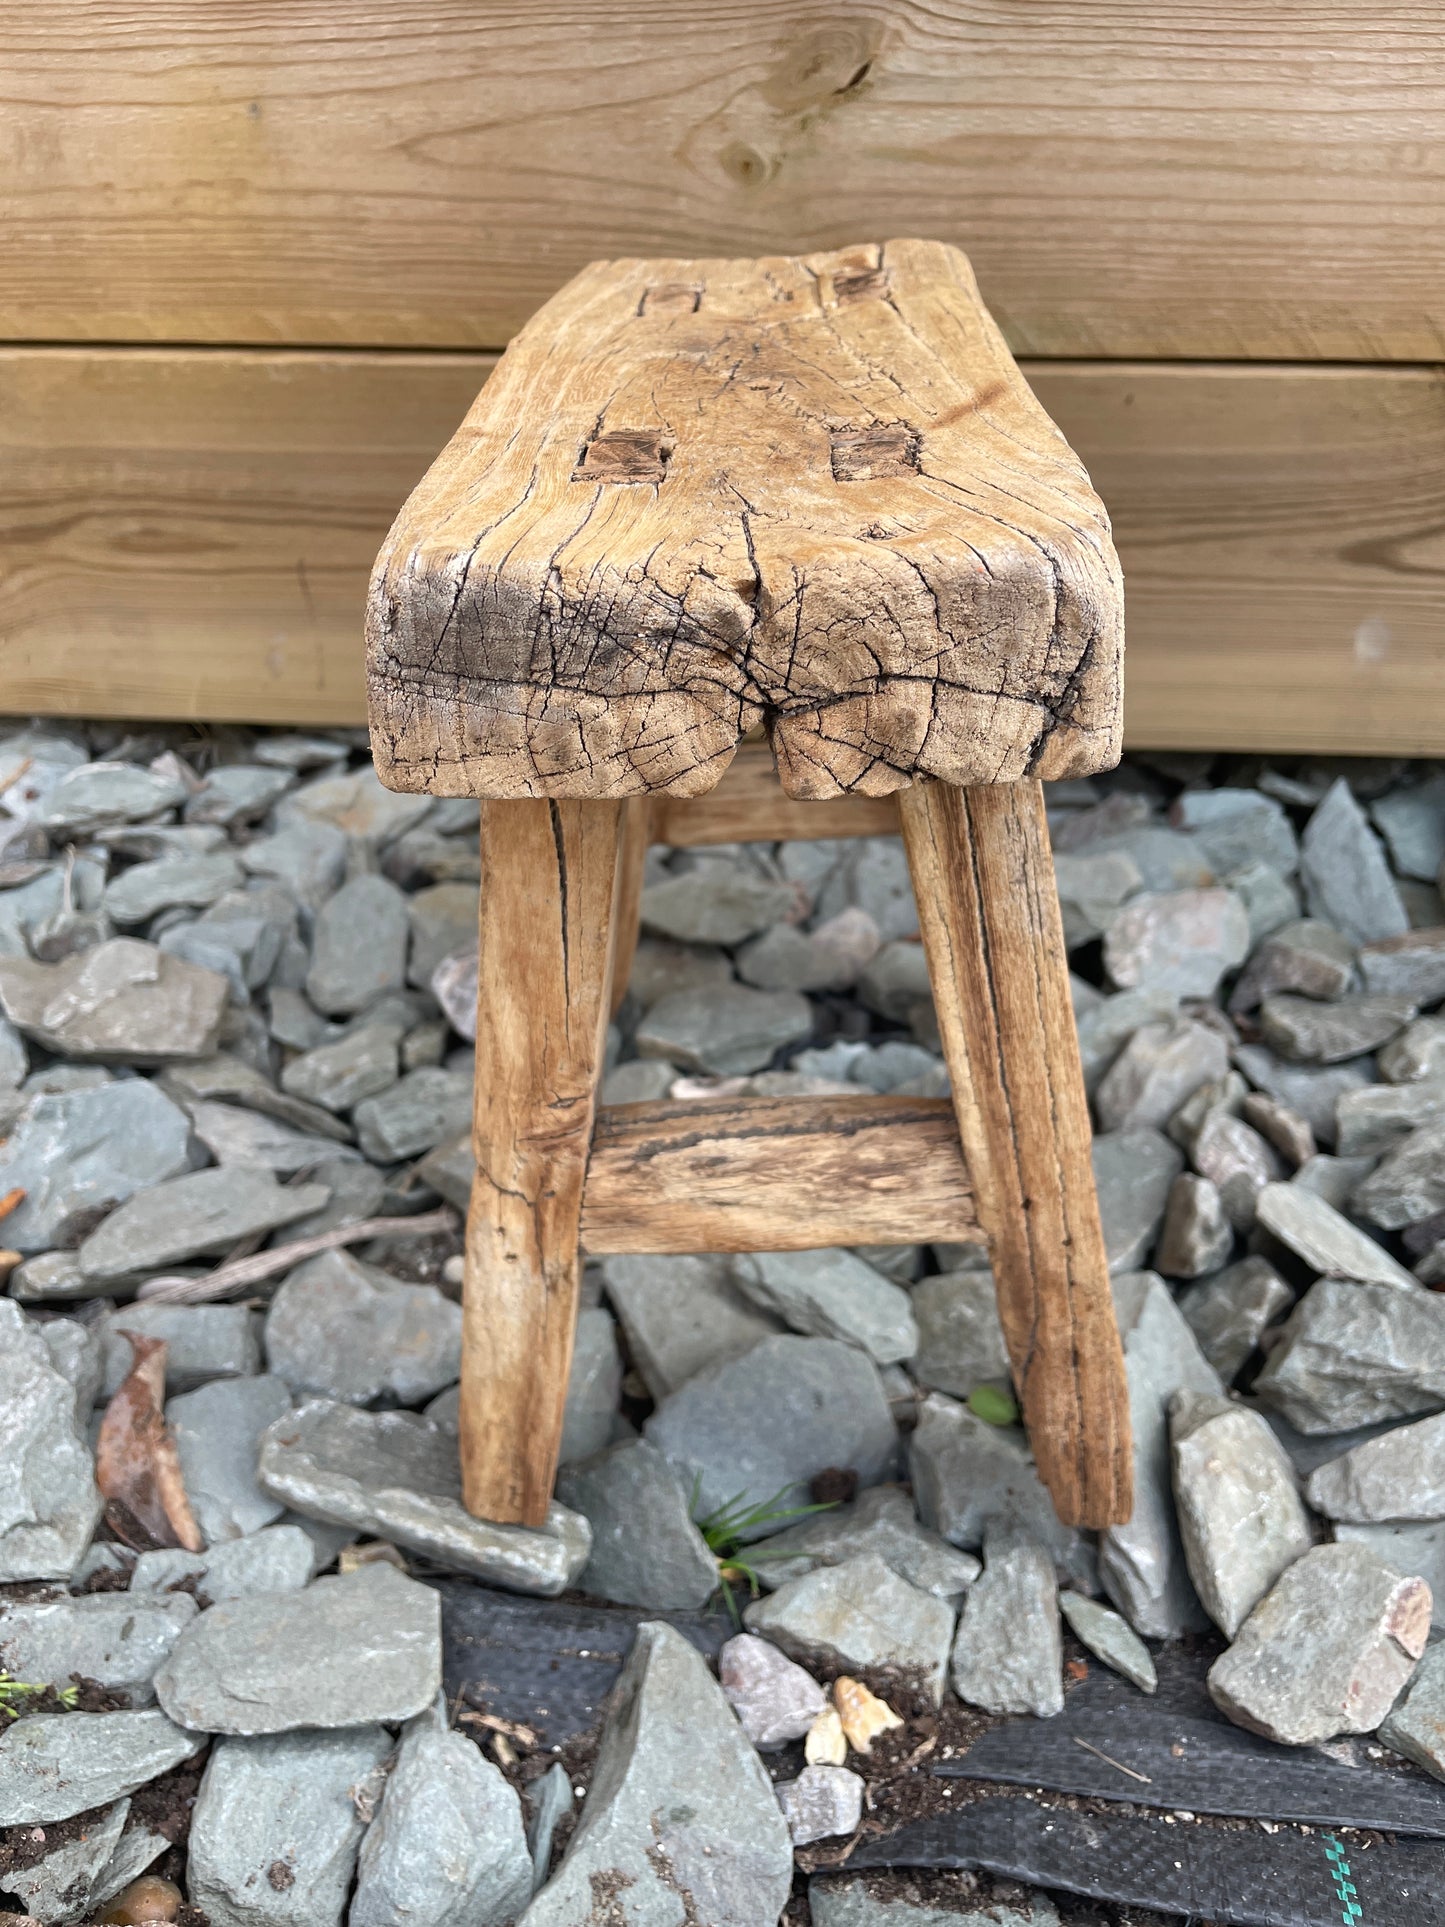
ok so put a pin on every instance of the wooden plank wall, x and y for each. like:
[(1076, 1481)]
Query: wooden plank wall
[(257, 256)]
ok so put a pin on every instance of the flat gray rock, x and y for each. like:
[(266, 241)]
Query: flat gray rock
[(1408, 1184), (1412, 965), (237, 793), (875, 1900), (960, 1340), (1311, 1091), (275, 1830), (594, 1386), (202, 1342), (719, 902), (1091, 886), (308, 858), (413, 1115), (646, 1551), (344, 1652), (217, 1430), (1326, 1651), (882, 1521), (1325, 1238), (1240, 1514), (447, 1847), (49, 1505), (123, 1002), (1142, 1562), (682, 1817), (228, 1079), (443, 921), (1196, 1237), (342, 1329), (548, 1801), (356, 804), (827, 958), (1407, 1546), (1237, 826), (98, 794), (169, 883), (63, 1886), (1235, 1158), (722, 1032), (1228, 1312), (831, 1294), (1400, 1475), (1346, 878), (237, 1138), (681, 1315), (1419, 1051), (1133, 1171), (775, 1699), (1304, 1032), (366, 1061), (358, 948), (1008, 1656), (1179, 940), (1286, 1130), (1415, 1724), (279, 1558), (859, 1615), (396, 1476), (760, 1427), (1111, 1638), (1306, 956), (1375, 1118), (75, 1354), (104, 1636), (823, 1803), (1106, 1027), (1412, 822), (80, 1153), (53, 1765), (966, 1472), (1355, 1354), (1161, 1065), (201, 1214)]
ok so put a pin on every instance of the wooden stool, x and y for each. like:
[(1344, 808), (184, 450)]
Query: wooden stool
[(815, 493)]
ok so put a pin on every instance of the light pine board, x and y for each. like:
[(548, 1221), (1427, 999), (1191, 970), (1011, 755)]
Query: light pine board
[(188, 533), (1238, 179)]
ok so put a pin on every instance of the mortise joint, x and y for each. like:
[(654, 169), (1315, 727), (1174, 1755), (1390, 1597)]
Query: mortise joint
[(624, 455), (874, 454), (671, 297), (861, 284)]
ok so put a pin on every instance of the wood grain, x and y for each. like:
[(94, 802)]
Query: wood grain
[(627, 916), (1233, 180), (697, 495), (549, 886), (776, 1174), (989, 915), (749, 805), (187, 534)]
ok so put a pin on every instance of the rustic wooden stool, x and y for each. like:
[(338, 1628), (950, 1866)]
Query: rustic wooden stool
[(815, 493)]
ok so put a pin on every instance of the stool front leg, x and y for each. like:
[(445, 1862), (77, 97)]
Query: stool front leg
[(550, 881), (989, 913)]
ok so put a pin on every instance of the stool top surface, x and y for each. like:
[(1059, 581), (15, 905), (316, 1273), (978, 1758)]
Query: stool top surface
[(814, 491)]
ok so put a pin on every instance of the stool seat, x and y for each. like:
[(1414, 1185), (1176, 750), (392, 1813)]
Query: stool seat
[(695, 495)]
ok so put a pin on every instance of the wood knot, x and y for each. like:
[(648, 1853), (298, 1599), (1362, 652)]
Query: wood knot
[(873, 454), (623, 455)]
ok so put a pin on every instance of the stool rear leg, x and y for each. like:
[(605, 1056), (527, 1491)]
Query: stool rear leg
[(632, 860), (550, 883), (989, 912)]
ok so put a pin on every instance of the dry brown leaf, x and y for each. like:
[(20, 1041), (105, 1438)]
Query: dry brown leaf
[(12, 1201), (136, 1464)]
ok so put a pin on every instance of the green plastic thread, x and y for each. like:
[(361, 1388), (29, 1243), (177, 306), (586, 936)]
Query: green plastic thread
[(1351, 1912)]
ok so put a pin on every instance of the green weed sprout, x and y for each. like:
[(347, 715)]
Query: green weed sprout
[(14, 1693), (724, 1531)]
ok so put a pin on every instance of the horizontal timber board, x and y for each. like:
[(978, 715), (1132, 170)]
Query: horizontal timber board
[(776, 1174), (187, 533), (1257, 180)]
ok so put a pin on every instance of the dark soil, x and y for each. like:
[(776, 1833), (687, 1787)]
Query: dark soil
[(90, 1697)]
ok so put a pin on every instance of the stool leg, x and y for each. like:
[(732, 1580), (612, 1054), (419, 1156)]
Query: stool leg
[(636, 835), (989, 913), (550, 875)]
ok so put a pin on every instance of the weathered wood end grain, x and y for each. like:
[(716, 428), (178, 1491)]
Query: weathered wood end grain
[(814, 492), (551, 876), (776, 1174), (989, 912)]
